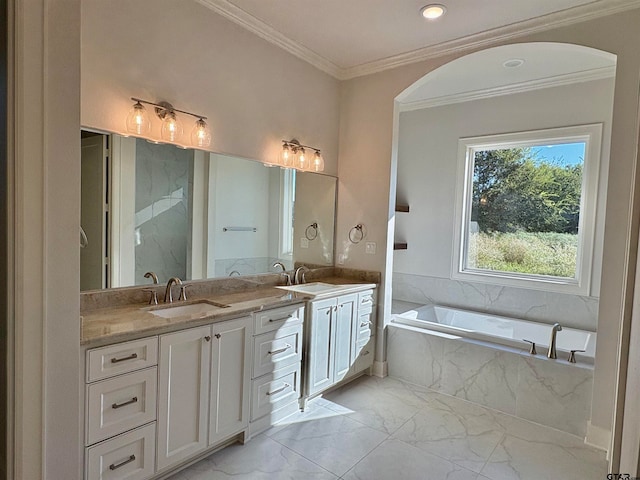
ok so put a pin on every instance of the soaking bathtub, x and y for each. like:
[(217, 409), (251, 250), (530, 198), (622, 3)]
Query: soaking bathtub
[(499, 330)]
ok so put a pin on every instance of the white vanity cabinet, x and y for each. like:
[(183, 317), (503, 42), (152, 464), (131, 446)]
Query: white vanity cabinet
[(277, 366), (338, 339), (120, 425), (203, 388)]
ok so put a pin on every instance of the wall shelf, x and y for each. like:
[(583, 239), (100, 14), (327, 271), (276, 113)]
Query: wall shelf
[(400, 246)]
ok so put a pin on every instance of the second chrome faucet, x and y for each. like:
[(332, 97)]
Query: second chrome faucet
[(168, 298)]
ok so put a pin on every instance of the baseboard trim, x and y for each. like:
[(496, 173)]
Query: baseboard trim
[(380, 369), (598, 437)]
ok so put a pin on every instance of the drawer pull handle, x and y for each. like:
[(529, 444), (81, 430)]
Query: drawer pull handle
[(278, 390), (366, 353), (280, 350), (130, 357), (120, 405), (115, 466), (367, 300), (364, 324), (280, 319)]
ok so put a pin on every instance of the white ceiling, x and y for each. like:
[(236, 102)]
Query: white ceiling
[(350, 37)]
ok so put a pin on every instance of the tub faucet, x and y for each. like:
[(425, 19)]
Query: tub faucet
[(168, 298), (552, 343)]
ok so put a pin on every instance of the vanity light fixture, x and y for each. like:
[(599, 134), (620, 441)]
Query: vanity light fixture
[(138, 123), (433, 11), (294, 155)]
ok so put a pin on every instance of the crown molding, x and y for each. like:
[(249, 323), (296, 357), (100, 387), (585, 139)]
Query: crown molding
[(268, 33), (596, 9), (494, 36), (530, 85)]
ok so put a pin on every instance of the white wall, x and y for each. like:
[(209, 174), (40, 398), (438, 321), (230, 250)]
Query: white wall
[(254, 93), (427, 174), (44, 157), (366, 171)]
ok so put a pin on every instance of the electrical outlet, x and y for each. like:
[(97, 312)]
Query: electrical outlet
[(304, 243), (370, 248), (341, 259)]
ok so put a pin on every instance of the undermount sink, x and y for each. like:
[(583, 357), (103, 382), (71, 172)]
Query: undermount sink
[(312, 288), (202, 308)]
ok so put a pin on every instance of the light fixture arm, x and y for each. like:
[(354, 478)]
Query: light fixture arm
[(295, 145), (163, 107)]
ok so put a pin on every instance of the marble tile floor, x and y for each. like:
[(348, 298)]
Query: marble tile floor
[(385, 429)]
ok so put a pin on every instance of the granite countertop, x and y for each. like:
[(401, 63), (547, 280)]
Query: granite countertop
[(104, 326)]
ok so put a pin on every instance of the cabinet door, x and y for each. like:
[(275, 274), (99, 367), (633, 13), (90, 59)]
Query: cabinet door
[(346, 312), (230, 378), (183, 394), (319, 355)]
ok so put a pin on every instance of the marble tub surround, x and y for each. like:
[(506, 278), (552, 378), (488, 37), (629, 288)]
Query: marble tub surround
[(550, 392), (382, 428), (547, 307)]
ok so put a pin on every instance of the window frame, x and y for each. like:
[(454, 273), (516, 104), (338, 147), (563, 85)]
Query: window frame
[(591, 134)]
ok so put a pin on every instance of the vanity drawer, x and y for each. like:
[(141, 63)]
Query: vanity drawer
[(121, 358), (277, 349), (129, 456), (363, 327), (120, 404), (366, 301), (275, 390), (276, 318), (363, 354)]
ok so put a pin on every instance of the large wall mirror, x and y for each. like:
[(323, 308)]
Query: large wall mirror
[(195, 215)]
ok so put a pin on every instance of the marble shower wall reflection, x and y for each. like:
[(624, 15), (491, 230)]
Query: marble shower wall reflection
[(164, 179)]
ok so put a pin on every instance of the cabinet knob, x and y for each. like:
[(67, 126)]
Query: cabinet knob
[(217, 335), (207, 338)]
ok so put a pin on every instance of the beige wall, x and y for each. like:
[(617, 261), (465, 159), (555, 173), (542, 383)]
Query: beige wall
[(254, 93), (243, 84), (366, 172)]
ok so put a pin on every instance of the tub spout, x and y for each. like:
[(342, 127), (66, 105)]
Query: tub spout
[(552, 343)]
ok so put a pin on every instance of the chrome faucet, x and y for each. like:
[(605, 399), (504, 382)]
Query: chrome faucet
[(284, 271), (552, 343), (153, 276), (298, 276), (168, 298)]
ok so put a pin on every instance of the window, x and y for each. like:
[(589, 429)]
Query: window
[(526, 208)]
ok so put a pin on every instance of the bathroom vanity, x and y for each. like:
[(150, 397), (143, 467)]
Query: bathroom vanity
[(167, 385)]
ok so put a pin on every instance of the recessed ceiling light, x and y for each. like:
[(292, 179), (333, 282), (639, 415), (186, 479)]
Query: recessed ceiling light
[(433, 11), (513, 63)]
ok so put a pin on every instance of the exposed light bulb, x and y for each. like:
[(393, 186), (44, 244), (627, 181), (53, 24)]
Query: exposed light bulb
[(286, 156), (303, 162), (171, 127), (317, 164), (138, 121), (201, 134)]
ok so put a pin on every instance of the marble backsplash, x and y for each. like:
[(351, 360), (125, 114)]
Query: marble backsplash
[(113, 297), (547, 307)]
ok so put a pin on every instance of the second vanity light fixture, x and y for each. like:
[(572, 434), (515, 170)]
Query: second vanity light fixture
[(294, 155), (139, 123)]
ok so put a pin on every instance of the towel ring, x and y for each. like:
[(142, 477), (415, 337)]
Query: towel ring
[(354, 237), (311, 231)]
